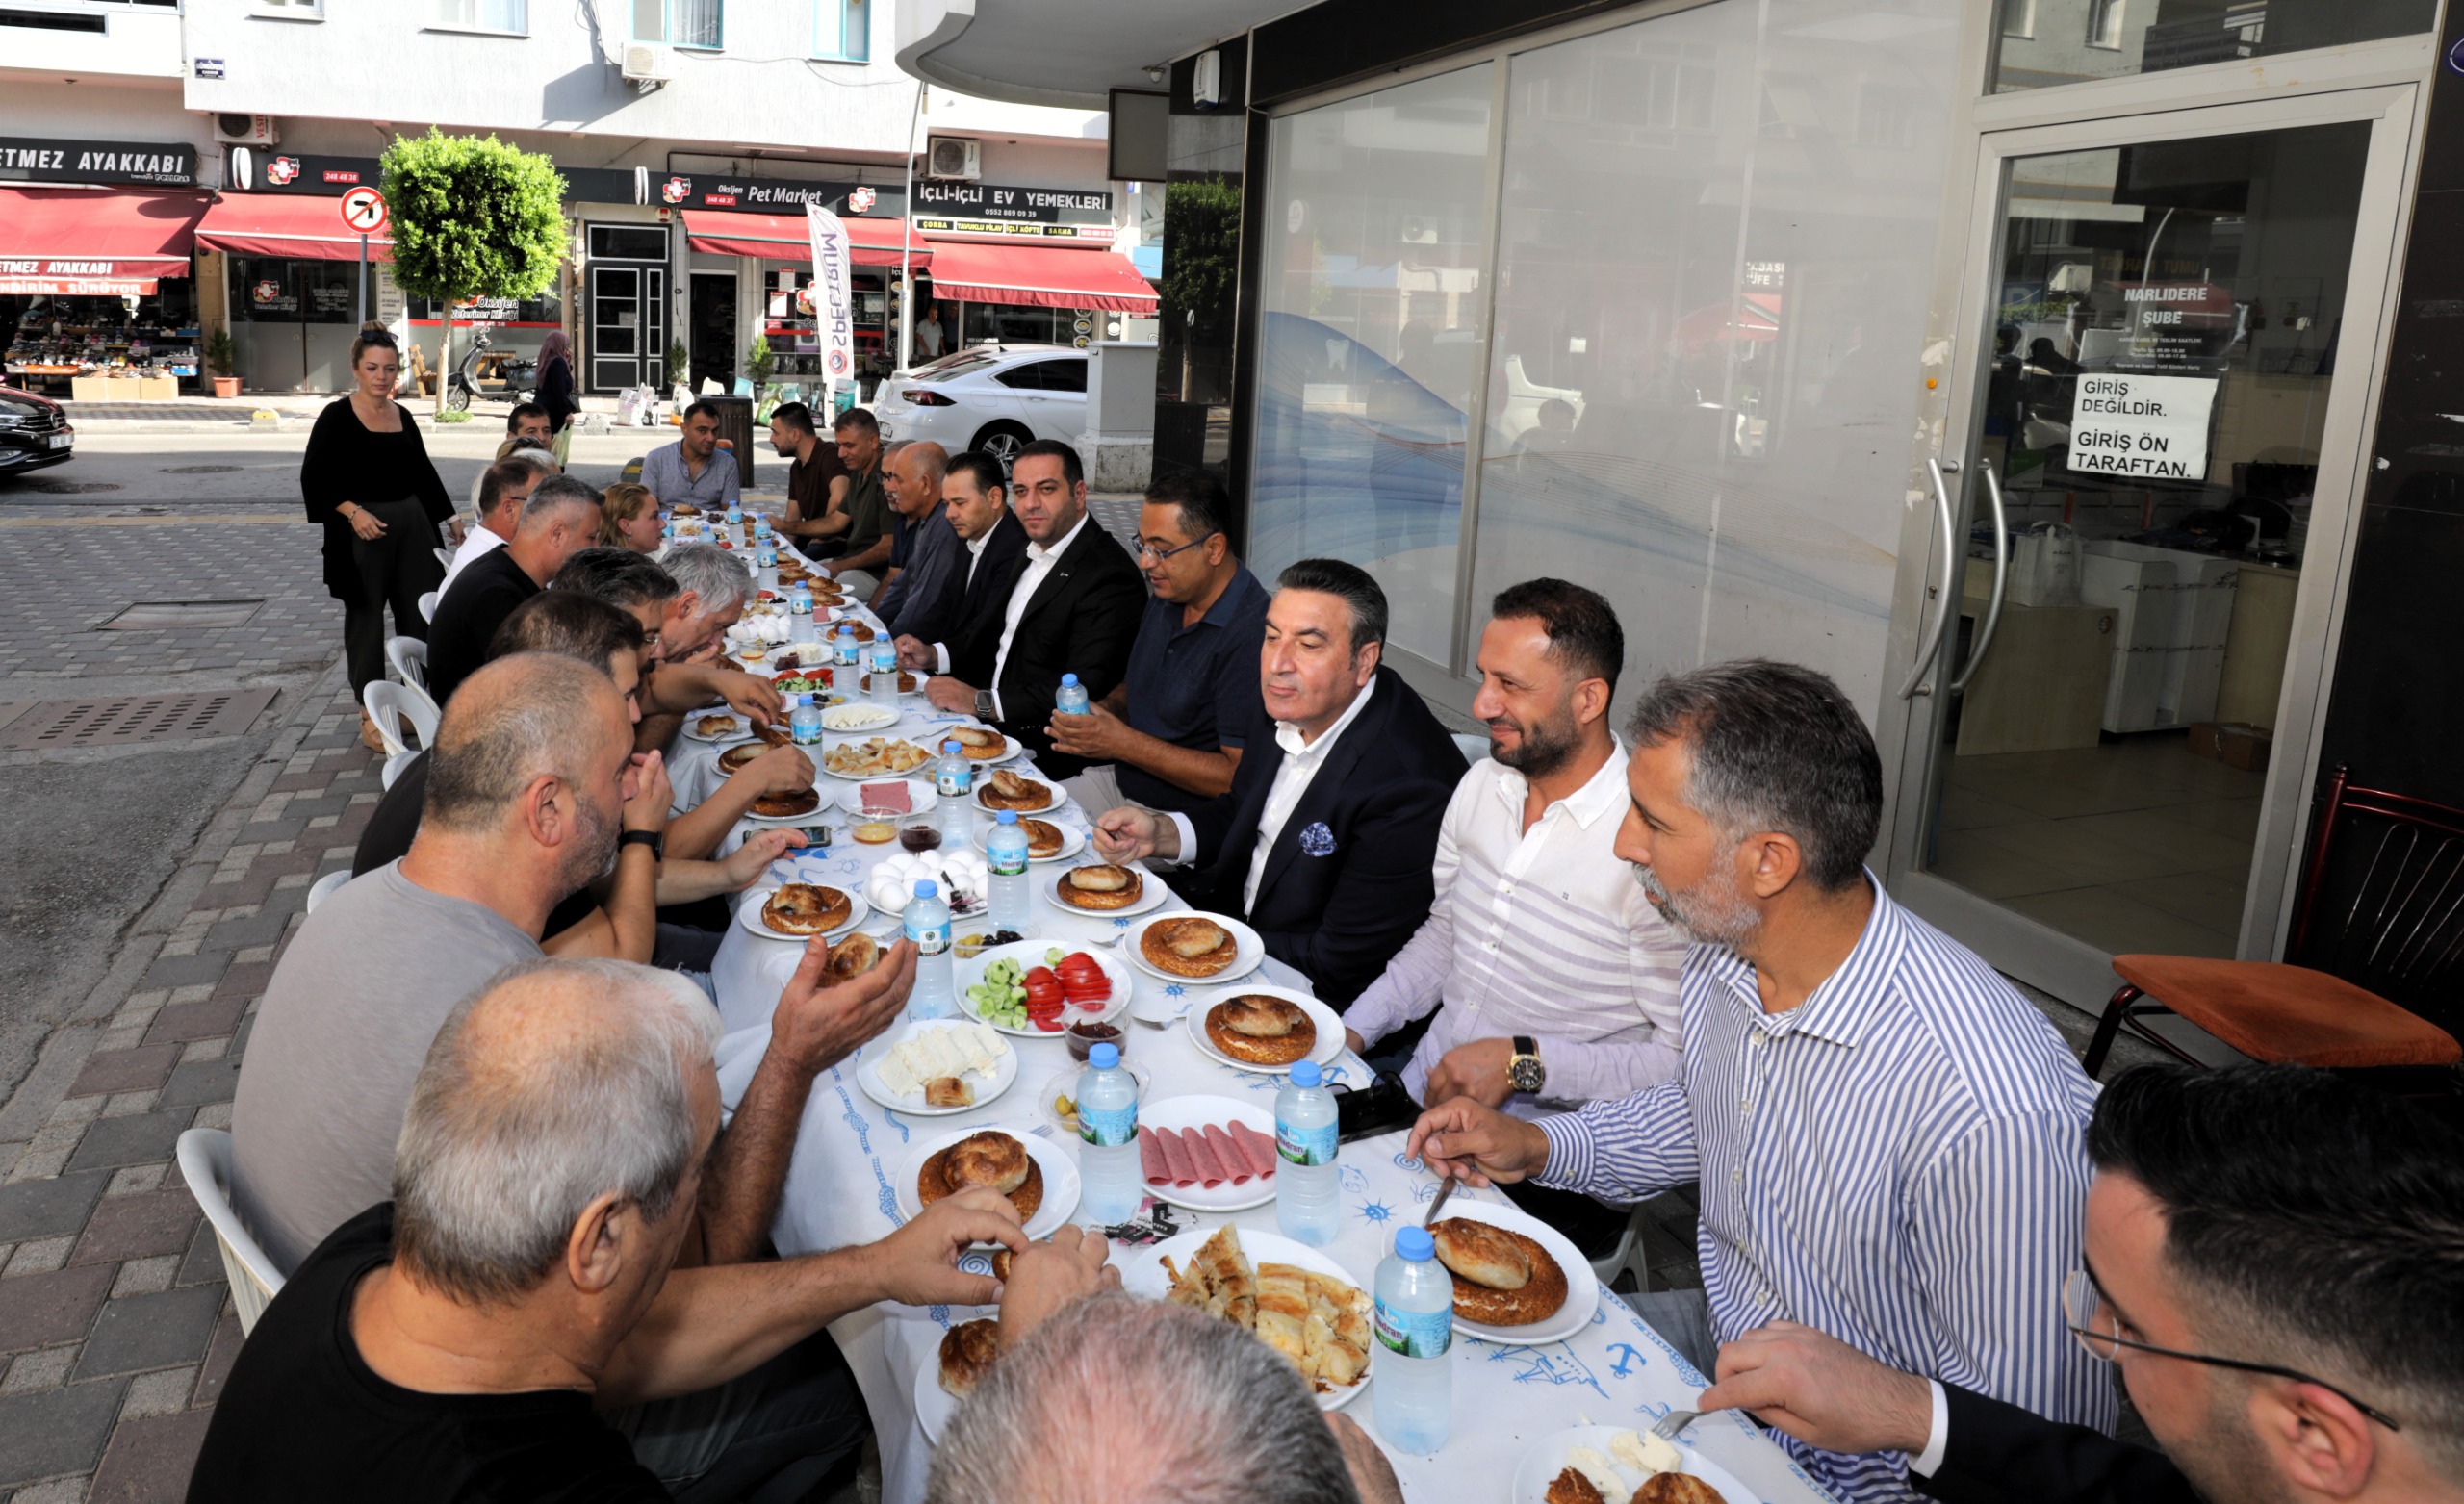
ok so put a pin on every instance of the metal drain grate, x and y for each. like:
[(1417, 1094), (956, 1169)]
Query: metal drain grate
[(149, 717), (182, 616)]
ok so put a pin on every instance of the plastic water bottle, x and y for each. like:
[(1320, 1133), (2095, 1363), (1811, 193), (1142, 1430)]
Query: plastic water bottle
[(1072, 699), (1308, 1205), (804, 721), (666, 528), (884, 671), (1005, 852), (735, 514), (842, 650), (1110, 1181), (954, 782), (800, 612), (767, 555), (928, 925), (761, 525), (1414, 1320)]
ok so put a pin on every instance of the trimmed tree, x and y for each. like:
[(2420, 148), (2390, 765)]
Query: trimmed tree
[(471, 218)]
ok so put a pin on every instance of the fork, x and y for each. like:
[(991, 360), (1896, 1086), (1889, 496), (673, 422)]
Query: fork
[(1667, 1426)]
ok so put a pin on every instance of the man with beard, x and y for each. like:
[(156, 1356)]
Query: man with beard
[(1889, 1140), (1546, 977)]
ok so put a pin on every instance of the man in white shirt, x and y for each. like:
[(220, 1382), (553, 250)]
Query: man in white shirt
[(1324, 843), (503, 487)]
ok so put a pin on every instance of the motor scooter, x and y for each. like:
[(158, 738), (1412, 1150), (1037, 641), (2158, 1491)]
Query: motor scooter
[(486, 372)]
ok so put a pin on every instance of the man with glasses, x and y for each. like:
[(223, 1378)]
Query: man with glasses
[(1169, 735), (2274, 1260)]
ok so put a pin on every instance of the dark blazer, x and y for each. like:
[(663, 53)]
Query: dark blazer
[(1996, 1453), (1082, 620), (963, 601), (1341, 904)]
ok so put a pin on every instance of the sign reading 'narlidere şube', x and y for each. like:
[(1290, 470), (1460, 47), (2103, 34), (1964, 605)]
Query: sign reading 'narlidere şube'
[(2150, 426)]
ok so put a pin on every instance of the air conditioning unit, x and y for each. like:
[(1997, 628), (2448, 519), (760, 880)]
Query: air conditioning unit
[(1418, 231), (245, 130), (954, 157), (648, 62)]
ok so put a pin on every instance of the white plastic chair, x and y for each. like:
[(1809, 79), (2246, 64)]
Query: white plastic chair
[(401, 714), (409, 658), (323, 887), (394, 767), (205, 1163), (1476, 748), (443, 557), (427, 605)]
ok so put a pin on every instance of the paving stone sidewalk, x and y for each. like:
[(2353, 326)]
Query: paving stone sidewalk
[(115, 1324)]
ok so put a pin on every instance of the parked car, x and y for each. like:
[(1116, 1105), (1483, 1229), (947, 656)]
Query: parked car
[(996, 398), (34, 431)]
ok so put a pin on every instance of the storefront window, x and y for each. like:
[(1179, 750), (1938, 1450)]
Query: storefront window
[(54, 339), (2049, 42), (1369, 310)]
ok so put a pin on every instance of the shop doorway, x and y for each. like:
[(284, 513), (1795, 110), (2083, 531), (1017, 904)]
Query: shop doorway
[(2172, 324), (293, 322), (626, 317), (710, 316)]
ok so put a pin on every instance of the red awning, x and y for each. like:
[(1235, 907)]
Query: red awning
[(70, 241), (1040, 276), (301, 225), (723, 232)]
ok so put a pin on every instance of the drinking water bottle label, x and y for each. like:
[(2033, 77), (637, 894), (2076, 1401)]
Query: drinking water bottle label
[(1414, 1333), (1304, 1146), (1108, 1128), (955, 783), (930, 939), (1010, 863)]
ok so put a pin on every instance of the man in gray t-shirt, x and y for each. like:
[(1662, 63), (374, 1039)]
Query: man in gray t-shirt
[(345, 1025)]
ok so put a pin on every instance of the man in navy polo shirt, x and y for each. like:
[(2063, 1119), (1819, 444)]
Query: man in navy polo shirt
[(1169, 735)]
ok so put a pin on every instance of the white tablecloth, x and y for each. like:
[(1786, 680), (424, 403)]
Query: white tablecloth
[(839, 1192)]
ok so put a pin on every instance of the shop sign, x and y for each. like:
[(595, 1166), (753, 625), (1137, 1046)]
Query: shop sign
[(25, 159), (74, 287), (2153, 427), (1010, 231), (1004, 201), (252, 169), (721, 190), (832, 292)]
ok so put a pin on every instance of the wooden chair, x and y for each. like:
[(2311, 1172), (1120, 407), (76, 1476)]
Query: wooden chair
[(2360, 977)]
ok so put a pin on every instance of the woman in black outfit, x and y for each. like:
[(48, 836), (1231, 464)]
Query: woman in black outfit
[(367, 481), (556, 390)]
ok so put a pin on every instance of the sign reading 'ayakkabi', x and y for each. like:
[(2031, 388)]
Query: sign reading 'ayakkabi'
[(29, 160), (2153, 427)]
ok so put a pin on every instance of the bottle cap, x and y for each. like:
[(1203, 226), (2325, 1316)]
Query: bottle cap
[(951, 749), (1104, 1056), (926, 888), (1413, 1245), (1069, 682), (1008, 817), (1306, 1074)]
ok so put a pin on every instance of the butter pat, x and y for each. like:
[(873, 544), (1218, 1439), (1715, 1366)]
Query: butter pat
[(1645, 1453), (1595, 1466)]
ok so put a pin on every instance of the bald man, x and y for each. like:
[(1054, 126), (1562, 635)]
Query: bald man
[(913, 479)]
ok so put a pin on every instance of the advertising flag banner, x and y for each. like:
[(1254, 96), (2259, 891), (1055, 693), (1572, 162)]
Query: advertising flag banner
[(833, 298)]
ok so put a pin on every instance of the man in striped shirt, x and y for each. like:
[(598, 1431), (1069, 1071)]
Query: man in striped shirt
[(1547, 976), (1889, 1139)]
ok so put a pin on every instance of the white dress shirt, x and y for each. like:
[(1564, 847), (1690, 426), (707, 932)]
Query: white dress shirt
[(1541, 931), (1039, 562), (475, 544), (1301, 761), (974, 557)]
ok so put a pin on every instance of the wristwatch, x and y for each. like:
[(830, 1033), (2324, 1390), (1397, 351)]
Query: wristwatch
[(1525, 1073), (985, 710), (656, 840)]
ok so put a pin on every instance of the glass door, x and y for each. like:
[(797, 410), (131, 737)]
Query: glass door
[(2171, 329)]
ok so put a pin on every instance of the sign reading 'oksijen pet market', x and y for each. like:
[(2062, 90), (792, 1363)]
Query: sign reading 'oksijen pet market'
[(27, 158), (2150, 426)]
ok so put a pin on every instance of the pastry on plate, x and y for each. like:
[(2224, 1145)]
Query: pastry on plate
[(905, 683), (981, 743), (807, 908), (1259, 1029), (774, 734), (794, 802), (1676, 1487), (1011, 789), (1568, 1487), (1189, 946), (1043, 837), (735, 758), (990, 1158), (948, 1091), (1100, 887), (851, 958), (968, 1351), (1320, 1325), (1502, 1277), (717, 725), (875, 756)]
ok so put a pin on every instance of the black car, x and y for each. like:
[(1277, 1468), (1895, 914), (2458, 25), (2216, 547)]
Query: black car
[(34, 431)]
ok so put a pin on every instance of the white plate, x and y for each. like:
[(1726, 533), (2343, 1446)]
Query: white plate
[(1064, 1083), (1331, 1029), (1248, 954), (1546, 1458), (743, 729), (1073, 839), (1150, 897), (1011, 747), (967, 973), (933, 1404), (921, 797), (818, 814), (1059, 797), (1582, 1287), (925, 767), (1142, 1274), (1059, 1175), (748, 912), (1178, 1112), (1005, 1073), (858, 715)]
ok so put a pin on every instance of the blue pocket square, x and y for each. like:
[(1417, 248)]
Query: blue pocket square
[(1316, 840)]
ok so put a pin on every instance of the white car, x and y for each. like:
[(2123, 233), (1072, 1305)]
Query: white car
[(995, 399)]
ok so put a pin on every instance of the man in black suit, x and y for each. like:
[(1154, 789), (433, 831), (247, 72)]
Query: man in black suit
[(1070, 604), (2275, 1258), (975, 503), (1327, 840)]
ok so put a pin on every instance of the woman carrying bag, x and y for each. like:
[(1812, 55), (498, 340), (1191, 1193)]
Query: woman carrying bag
[(556, 391), (367, 480)]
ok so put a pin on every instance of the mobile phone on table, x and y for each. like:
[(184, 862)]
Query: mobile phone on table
[(1382, 1107)]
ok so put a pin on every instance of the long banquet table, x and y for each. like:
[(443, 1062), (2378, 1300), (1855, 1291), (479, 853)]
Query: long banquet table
[(1616, 1371)]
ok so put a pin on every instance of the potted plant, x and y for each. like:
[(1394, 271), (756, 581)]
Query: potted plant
[(679, 361), (220, 355)]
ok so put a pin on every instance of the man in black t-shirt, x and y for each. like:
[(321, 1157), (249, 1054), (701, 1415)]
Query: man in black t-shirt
[(454, 1342), (560, 519)]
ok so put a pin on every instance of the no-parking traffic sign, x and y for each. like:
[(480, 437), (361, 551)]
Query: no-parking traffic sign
[(364, 211)]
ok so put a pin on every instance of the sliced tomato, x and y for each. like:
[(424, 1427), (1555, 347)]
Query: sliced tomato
[(1043, 990), (1049, 1025)]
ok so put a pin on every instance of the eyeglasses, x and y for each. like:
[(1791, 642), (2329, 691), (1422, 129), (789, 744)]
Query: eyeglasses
[(1150, 549), (2082, 1304)]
